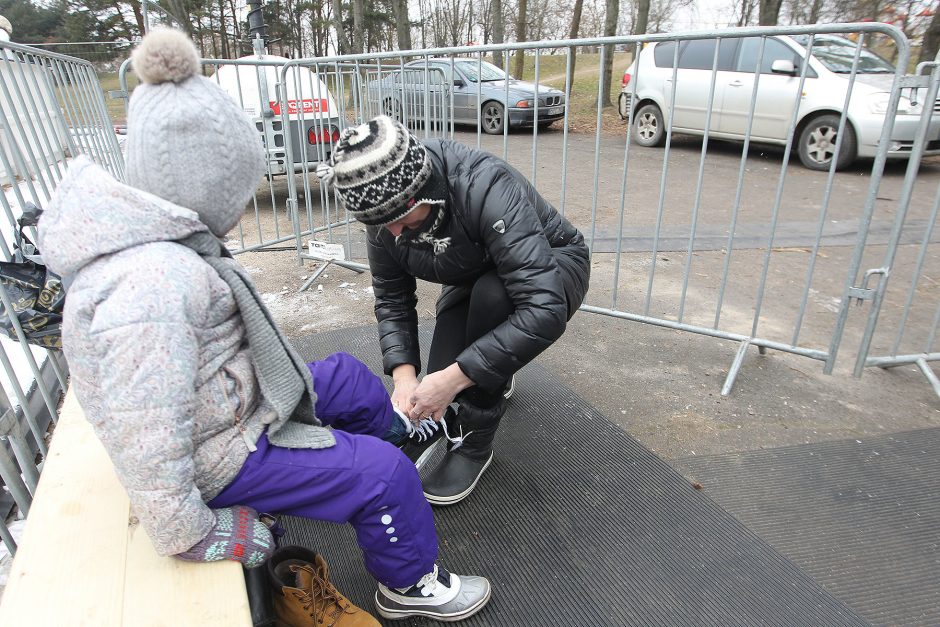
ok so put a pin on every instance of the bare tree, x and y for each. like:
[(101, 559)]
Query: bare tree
[(358, 26), (928, 50), (573, 34), (642, 17), (519, 59), (769, 12), (611, 17), (342, 42), (402, 24), (499, 32)]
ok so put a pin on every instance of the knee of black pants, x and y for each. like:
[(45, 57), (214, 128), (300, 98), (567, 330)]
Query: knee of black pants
[(490, 306)]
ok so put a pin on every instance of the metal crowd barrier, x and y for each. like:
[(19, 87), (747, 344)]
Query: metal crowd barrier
[(761, 254), (51, 110), (910, 331)]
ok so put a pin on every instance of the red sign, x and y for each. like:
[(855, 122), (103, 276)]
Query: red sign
[(309, 106)]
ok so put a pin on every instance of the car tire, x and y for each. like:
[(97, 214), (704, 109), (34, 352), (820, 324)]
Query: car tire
[(493, 117), (392, 109), (649, 129), (817, 143)]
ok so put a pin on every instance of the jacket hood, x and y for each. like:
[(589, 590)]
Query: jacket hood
[(92, 215)]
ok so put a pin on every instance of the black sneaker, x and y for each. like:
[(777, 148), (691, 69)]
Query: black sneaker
[(439, 595)]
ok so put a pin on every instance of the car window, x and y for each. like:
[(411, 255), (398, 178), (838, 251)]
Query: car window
[(664, 53), (774, 50), (699, 54), (484, 71), (838, 55)]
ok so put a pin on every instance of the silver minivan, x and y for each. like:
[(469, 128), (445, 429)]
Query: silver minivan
[(821, 104)]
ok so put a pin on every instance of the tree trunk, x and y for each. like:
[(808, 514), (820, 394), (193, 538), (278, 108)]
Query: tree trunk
[(177, 9), (402, 25), (769, 12), (642, 17), (342, 42), (611, 17), (138, 17), (931, 43), (499, 35), (358, 26), (519, 61), (573, 34)]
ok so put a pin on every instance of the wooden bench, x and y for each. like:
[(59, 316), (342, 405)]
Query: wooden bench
[(83, 559)]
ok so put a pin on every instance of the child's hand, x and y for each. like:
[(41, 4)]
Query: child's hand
[(238, 535)]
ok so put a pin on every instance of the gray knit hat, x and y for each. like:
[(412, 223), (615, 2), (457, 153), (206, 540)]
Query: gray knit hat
[(187, 140), (378, 170)]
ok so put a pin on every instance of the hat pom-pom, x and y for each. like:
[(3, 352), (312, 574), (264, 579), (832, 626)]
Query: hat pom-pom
[(165, 55)]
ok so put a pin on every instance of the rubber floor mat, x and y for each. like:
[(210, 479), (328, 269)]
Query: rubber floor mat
[(577, 524), (862, 516)]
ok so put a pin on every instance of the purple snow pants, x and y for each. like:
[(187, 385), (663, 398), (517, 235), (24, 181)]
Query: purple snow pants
[(362, 480)]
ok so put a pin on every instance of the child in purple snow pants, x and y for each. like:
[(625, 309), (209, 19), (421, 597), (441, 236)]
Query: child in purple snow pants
[(362, 480)]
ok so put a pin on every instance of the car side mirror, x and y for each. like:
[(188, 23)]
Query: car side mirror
[(458, 82), (783, 66)]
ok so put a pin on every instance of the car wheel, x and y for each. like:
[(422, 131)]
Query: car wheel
[(392, 109), (818, 143), (648, 126), (493, 118)]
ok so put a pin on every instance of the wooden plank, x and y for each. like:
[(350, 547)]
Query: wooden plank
[(83, 561), (169, 592), (69, 568)]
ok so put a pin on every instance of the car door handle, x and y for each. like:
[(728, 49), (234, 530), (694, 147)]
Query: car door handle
[(735, 84)]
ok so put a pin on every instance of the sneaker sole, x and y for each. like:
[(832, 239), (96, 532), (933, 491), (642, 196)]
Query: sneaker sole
[(456, 498), (445, 618)]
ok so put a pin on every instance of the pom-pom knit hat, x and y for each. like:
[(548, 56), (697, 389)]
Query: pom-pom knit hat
[(381, 172), (188, 141)]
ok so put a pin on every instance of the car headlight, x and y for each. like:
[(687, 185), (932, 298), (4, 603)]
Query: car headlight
[(525, 104), (878, 103)]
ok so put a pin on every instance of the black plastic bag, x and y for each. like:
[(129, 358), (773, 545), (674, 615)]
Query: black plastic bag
[(36, 294)]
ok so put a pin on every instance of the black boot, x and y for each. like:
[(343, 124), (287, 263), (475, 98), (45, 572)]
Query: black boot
[(460, 470)]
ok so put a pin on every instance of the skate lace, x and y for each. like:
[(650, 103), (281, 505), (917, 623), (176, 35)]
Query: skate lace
[(422, 430), (457, 442), (430, 585)]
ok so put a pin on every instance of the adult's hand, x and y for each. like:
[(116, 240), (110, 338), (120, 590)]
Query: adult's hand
[(405, 382), (436, 391)]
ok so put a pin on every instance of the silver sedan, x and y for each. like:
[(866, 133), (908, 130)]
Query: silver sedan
[(480, 92)]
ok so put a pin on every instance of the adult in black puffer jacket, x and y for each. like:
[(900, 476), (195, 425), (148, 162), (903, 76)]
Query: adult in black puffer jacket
[(514, 272)]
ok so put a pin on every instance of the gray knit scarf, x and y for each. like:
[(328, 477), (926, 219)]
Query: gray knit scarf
[(286, 382)]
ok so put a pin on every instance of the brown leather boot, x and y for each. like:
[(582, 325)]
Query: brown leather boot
[(304, 596)]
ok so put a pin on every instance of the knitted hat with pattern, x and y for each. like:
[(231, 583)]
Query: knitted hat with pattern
[(188, 141), (378, 169)]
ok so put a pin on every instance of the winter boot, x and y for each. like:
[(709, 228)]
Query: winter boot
[(304, 596), (439, 595), (468, 455), (423, 436)]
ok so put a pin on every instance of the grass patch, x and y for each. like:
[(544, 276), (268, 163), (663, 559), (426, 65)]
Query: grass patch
[(110, 82)]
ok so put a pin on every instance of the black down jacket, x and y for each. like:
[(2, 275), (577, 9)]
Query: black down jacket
[(495, 219)]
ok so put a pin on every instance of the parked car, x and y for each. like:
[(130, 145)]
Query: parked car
[(313, 117), (401, 93), (824, 92)]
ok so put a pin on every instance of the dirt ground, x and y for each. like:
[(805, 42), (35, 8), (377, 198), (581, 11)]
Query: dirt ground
[(663, 386)]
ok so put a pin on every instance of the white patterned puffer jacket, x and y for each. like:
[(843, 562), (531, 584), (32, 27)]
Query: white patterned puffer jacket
[(155, 348)]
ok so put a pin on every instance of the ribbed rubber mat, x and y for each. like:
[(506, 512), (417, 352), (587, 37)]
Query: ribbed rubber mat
[(577, 524), (862, 517)]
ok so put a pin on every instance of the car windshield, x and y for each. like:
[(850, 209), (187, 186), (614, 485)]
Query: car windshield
[(484, 71), (838, 55)]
